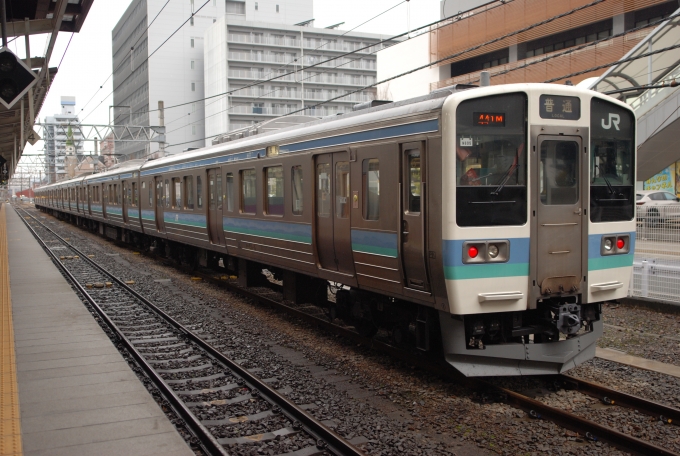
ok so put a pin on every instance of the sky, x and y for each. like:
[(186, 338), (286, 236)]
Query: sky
[(85, 62)]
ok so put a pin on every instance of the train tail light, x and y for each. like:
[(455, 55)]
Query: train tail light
[(615, 244), (473, 252)]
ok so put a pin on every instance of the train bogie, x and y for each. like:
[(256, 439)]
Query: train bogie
[(490, 222)]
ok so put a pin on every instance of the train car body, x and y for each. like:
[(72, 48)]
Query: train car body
[(492, 221)]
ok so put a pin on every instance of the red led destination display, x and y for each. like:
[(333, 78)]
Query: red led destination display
[(488, 119)]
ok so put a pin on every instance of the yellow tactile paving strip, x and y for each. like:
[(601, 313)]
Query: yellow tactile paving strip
[(10, 424)]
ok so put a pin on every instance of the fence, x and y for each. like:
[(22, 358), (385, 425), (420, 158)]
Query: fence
[(656, 264)]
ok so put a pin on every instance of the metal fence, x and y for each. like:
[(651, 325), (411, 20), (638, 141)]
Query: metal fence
[(656, 265)]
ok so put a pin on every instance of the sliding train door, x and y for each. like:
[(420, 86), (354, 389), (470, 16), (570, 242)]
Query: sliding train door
[(333, 202), (215, 202), (413, 217), (160, 200)]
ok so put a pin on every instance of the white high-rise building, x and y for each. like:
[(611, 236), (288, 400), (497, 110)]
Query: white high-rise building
[(63, 136), (257, 40), (174, 74)]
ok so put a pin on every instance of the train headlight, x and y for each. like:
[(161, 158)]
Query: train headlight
[(493, 250), (608, 244)]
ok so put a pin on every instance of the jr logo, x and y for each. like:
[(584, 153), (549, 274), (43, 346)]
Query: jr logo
[(613, 119)]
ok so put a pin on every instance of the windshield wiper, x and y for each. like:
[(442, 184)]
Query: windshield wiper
[(611, 189), (510, 170)]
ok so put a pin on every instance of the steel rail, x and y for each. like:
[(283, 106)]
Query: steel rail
[(206, 439), (322, 434), (590, 429), (609, 396)]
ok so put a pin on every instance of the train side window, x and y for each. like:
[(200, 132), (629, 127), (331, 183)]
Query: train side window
[(166, 193), (248, 191), (177, 190), (414, 180), (189, 191), (135, 194), (297, 190), (199, 192), (275, 190), (342, 189), (323, 193), (371, 188), (230, 192)]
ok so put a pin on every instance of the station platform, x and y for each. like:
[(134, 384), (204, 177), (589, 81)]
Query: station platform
[(64, 388)]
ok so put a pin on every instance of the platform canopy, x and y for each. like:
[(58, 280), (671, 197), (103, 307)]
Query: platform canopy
[(34, 17), (655, 61)]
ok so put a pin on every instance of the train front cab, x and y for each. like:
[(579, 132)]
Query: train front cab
[(541, 230)]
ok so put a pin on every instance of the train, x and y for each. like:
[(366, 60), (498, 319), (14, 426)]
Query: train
[(484, 224)]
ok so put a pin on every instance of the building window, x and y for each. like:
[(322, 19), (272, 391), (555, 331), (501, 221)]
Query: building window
[(191, 21), (277, 8), (193, 107), (192, 42), (193, 129), (256, 6), (193, 86), (192, 65)]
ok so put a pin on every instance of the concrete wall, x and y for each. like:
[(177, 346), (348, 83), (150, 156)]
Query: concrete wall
[(403, 57)]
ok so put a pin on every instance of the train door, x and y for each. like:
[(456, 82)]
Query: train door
[(160, 225), (333, 202), (413, 216), (125, 200), (559, 208), (215, 201)]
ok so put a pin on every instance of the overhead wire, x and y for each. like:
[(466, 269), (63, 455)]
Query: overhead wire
[(259, 82), (154, 52), (457, 17), (575, 49), (123, 60), (448, 57)]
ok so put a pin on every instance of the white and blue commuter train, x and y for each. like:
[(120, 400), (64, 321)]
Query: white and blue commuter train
[(489, 223)]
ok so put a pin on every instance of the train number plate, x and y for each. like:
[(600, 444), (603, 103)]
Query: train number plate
[(465, 142)]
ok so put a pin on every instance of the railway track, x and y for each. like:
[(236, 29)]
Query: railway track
[(217, 399), (487, 391)]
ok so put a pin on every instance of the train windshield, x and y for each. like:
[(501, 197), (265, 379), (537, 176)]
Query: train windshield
[(491, 161), (612, 164)]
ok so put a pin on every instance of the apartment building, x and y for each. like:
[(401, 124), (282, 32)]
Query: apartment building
[(240, 52)]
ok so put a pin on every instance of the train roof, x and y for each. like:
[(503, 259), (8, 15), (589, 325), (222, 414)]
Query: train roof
[(328, 125)]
